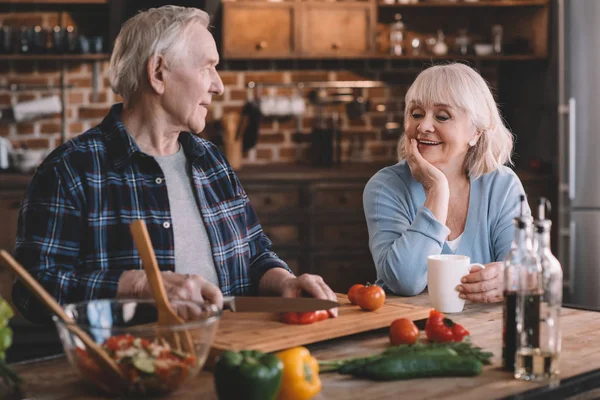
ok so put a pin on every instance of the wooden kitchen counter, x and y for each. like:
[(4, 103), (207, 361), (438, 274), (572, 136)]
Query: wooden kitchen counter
[(53, 379)]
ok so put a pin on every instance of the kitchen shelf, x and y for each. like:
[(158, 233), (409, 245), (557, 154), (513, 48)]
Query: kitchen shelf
[(54, 57), (378, 56), (67, 2), (497, 3)]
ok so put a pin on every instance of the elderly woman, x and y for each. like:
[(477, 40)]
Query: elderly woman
[(450, 192), (145, 161)]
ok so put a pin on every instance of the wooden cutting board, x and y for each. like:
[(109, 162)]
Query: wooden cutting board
[(265, 332)]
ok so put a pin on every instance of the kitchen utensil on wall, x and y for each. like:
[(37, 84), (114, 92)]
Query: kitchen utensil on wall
[(232, 140), (32, 109), (5, 149), (497, 38), (250, 118)]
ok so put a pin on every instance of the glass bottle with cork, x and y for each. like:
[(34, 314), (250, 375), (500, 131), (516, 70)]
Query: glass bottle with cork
[(537, 356), (521, 252)]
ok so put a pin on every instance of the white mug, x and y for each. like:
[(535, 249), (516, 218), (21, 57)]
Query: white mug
[(444, 273)]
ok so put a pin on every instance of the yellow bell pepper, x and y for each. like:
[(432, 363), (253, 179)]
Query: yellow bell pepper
[(300, 375)]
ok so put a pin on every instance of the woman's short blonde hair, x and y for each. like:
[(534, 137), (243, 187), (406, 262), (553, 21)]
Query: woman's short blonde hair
[(157, 31), (460, 86)]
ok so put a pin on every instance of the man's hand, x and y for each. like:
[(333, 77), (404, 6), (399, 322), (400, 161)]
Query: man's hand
[(178, 287), (279, 282), (311, 284), (483, 285)]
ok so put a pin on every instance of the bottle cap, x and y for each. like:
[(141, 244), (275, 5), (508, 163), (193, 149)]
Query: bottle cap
[(523, 221), (542, 224)]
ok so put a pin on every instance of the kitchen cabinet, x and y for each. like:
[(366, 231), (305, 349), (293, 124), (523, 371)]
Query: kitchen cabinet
[(334, 29), (297, 29), (325, 209), (256, 30), (313, 29)]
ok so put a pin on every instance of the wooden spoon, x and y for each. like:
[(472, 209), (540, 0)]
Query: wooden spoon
[(93, 349), (166, 314)]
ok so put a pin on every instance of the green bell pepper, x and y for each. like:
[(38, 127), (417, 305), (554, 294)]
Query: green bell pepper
[(248, 375)]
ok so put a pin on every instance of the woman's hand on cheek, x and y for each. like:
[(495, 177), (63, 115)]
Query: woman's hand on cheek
[(422, 170)]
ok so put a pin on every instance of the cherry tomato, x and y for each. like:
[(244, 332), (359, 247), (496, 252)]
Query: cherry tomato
[(352, 292), (370, 298), (403, 331)]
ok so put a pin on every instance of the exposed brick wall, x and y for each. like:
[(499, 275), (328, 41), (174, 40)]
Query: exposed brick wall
[(280, 141)]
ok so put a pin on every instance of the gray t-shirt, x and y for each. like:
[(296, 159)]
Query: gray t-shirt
[(193, 254)]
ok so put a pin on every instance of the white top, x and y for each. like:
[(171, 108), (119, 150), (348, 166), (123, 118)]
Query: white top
[(453, 244), (193, 253)]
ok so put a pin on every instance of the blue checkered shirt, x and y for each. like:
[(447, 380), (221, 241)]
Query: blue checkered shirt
[(74, 236)]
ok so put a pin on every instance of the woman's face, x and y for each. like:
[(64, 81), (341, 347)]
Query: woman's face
[(442, 133), (190, 85)]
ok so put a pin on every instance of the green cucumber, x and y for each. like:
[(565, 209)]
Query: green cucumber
[(418, 366), (144, 364)]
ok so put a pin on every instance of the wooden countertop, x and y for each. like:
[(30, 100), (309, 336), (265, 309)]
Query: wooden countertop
[(54, 379)]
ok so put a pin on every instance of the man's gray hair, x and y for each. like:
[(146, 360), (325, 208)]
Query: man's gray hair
[(155, 32)]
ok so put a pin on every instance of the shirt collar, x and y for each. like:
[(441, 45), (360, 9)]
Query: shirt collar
[(123, 147)]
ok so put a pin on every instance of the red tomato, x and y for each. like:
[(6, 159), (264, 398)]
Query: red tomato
[(321, 315), (436, 328), (459, 332), (352, 292), (299, 318), (403, 331), (370, 298)]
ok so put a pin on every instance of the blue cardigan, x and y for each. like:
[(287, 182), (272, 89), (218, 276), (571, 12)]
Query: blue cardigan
[(403, 232)]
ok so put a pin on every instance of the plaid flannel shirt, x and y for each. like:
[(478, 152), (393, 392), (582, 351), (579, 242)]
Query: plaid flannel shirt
[(74, 236)]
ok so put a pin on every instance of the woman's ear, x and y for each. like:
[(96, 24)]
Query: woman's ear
[(156, 73), (475, 137)]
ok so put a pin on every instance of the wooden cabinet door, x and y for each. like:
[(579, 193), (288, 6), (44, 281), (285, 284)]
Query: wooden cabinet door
[(337, 29), (255, 30), (342, 270), (9, 214)]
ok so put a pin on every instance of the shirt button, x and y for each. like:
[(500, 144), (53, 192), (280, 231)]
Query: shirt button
[(166, 225), (158, 181)]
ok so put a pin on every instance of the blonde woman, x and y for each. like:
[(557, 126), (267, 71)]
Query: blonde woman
[(451, 192)]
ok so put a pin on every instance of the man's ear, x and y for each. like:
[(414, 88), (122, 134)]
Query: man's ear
[(156, 73)]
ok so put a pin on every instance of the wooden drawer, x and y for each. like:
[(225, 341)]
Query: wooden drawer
[(334, 29), (267, 199), (344, 270), (340, 197), (341, 234), (283, 234), (257, 30)]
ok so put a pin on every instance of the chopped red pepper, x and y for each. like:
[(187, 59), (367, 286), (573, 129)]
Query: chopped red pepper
[(440, 329)]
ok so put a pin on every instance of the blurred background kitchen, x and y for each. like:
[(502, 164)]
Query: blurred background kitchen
[(313, 101)]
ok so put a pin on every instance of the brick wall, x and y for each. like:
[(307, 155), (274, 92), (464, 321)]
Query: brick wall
[(280, 141)]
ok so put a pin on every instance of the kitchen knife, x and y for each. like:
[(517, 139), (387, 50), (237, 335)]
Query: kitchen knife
[(276, 304)]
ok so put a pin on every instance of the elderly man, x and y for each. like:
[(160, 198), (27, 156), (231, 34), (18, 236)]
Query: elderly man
[(145, 161)]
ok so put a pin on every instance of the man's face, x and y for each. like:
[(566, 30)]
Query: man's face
[(191, 82)]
